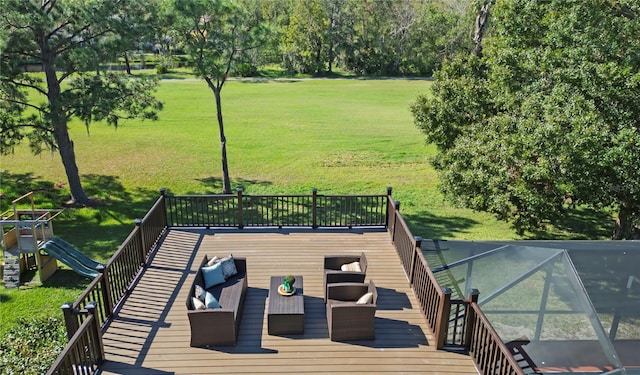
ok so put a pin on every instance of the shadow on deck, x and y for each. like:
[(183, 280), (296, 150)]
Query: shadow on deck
[(150, 334)]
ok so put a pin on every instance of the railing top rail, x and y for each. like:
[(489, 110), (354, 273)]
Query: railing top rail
[(85, 293), (273, 195), (432, 277), (115, 255), (353, 195), (201, 195), (151, 211)]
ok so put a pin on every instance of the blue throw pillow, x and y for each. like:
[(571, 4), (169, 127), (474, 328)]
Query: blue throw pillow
[(213, 275), (211, 301)]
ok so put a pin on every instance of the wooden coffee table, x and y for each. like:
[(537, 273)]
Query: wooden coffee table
[(286, 313)]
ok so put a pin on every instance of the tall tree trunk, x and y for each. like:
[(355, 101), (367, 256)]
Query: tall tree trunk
[(226, 184), (481, 25), (624, 228), (127, 65), (60, 130)]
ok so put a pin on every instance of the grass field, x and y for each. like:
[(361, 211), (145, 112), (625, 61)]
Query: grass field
[(342, 136)]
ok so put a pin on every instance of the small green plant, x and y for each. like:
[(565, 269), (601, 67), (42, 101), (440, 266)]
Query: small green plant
[(288, 283), (290, 280)]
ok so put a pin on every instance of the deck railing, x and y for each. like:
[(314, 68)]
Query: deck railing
[(455, 323), (300, 210), (85, 351), (489, 353), (86, 317), (458, 324)]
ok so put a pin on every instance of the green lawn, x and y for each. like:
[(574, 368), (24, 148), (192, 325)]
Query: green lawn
[(283, 136)]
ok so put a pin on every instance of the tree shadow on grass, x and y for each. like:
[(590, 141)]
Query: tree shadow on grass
[(14, 185), (96, 231), (428, 225), (578, 224), (214, 185)]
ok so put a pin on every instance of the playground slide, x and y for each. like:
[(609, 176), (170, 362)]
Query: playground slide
[(67, 254)]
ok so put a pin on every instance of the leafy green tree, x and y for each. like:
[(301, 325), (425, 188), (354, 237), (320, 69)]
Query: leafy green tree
[(216, 36), (304, 49), (275, 14), (69, 40), (545, 117)]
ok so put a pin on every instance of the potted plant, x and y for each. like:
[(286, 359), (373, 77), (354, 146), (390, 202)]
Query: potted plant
[(288, 282)]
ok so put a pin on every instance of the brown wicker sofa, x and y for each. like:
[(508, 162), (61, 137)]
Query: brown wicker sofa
[(218, 326), (334, 274), (347, 317)]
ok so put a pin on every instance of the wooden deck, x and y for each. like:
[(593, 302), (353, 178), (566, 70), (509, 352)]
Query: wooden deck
[(151, 333)]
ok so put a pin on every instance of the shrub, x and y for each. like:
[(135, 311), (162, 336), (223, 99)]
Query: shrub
[(161, 69), (32, 346), (245, 70)]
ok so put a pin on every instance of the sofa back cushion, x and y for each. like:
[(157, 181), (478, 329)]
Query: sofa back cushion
[(213, 275)]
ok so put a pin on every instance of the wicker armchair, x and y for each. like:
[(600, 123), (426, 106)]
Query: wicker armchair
[(333, 273), (347, 319)]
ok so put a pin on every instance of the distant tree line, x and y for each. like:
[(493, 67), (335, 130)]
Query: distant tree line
[(364, 37)]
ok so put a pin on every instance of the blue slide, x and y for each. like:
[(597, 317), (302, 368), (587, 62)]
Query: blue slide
[(72, 257)]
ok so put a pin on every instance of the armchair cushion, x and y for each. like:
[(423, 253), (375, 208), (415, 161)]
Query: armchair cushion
[(333, 272), (353, 267), (366, 298)]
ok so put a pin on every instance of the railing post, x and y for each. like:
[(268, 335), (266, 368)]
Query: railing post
[(442, 325), (470, 318), (240, 224), (396, 205), (70, 320), (314, 213), (97, 333), (143, 250), (414, 257), (163, 197), (106, 289), (386, 208)]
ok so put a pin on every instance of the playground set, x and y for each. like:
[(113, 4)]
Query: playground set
[(28, 243)]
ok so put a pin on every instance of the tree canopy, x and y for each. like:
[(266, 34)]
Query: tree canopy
[(69, 40), (547, 118)]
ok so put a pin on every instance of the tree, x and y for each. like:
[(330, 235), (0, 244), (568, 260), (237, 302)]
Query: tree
[(141, 21), (304, 42), (216, 35), (67, 39), (545, 117)]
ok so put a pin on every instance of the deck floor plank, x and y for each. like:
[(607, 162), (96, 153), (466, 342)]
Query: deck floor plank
[(150, 334)]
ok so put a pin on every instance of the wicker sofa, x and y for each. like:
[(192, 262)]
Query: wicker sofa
[(218, 326), (349, 315)]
